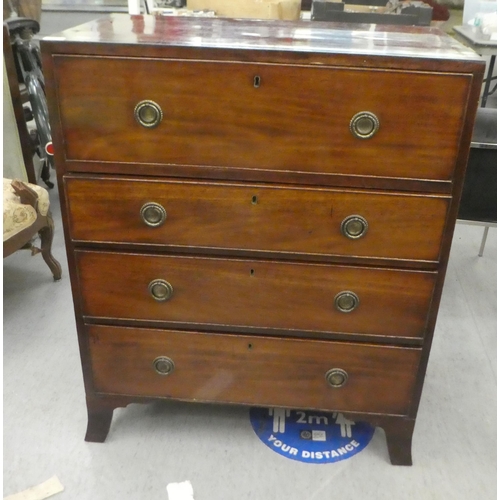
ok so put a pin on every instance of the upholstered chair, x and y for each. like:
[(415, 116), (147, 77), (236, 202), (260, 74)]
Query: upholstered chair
[(26, 213)]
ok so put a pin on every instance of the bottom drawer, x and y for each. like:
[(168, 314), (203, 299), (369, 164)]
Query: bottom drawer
[(253, 370)]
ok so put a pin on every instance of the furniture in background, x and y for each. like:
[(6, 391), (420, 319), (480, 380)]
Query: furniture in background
[(479, 199), (250, 219), (18, 148), (478, 205), (484, 47), (407, 13), (26, 86), (31, 9), (26, 214)]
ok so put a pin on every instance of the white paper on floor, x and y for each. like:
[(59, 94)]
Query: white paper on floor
[(39, 492), (180, 491)]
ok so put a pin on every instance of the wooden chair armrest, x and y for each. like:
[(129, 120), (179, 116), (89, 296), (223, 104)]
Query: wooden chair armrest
[(27, 195)]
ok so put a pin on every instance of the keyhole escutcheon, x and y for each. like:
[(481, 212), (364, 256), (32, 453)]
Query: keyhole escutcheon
[(256, 81)]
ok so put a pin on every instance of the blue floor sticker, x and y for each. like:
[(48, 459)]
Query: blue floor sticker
[(310, 436)]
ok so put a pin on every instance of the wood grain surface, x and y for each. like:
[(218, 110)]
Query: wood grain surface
[(369, 45), (253, 370), (297, 120), (255, 180), (257, 217), (255, 294)]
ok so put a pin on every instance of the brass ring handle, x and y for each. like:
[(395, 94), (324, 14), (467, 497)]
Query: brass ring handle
[(364, 125), (153, 214), (354, 227), (161, 290), (346, 301), (336, 377), (163, 365), (148, 114)]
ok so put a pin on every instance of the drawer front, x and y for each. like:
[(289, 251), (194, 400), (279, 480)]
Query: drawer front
[(255, 217), (255, 294), (252, 370), (296, 118)]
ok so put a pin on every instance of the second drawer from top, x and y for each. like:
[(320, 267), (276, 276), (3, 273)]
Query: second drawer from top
[(246, 217)]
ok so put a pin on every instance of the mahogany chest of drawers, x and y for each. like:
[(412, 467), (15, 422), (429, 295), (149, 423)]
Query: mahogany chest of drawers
[(259, 212)]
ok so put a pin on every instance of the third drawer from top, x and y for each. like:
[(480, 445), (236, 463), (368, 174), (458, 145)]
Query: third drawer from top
[(255, 295)]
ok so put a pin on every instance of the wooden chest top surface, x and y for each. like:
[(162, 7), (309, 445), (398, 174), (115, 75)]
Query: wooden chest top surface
[(249, 34)]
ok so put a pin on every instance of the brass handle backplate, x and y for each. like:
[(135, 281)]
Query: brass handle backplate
[(148, 114), (160, 290), (153, 214), (346, 301), (354, 227), (364, 125), (163, 365), (336, 377)]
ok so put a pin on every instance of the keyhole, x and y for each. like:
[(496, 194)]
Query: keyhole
[(256, 81), (252, 272), (254, 200)]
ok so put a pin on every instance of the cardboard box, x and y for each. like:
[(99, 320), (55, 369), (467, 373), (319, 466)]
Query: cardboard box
[(257, 9)]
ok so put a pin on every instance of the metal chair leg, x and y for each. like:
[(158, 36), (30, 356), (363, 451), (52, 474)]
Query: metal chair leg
[(483, 242)]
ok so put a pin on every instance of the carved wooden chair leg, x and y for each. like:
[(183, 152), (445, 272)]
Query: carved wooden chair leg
[(46, 237)]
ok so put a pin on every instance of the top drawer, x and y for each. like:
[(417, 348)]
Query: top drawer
[(261, 116)]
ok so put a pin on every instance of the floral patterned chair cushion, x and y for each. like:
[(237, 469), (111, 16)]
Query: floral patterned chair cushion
[(25, 214), (16, 216)]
